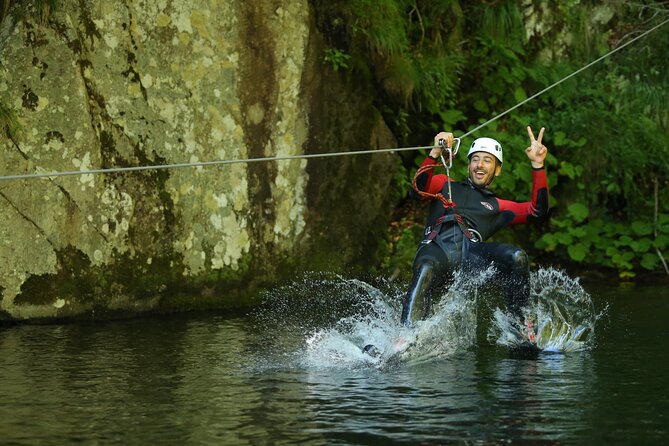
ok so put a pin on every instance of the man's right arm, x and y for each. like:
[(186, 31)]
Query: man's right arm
[(427, 181)]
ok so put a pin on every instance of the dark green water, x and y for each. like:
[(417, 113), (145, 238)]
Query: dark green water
[(234, 380)]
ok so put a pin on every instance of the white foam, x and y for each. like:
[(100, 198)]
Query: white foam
[(335, 317), (562, 312)]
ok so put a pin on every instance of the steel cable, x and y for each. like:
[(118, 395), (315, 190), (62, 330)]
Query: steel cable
[(318, 155)]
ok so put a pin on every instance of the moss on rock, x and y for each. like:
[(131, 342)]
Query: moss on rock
[(95, 90)]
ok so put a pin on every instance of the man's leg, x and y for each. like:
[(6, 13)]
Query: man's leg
[(514, 270), (430, 271), (428, 274), (516, 282), (417, 301)]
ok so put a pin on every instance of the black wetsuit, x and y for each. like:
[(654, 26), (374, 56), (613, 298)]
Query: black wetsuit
[(445, 247)]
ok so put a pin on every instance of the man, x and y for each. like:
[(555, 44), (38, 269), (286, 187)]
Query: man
[(464, 216)]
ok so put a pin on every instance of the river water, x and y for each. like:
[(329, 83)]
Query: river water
[(292, 372)]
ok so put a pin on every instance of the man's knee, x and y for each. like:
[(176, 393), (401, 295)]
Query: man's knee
[(519, 259), (513, 262), (423, 262)]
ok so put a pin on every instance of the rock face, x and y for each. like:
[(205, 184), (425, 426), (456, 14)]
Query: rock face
[(130, 83)]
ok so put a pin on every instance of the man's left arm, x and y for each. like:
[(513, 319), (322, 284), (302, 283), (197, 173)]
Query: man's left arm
[(538, 207)]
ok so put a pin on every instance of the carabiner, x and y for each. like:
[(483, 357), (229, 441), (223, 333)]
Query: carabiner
[(451, 152)]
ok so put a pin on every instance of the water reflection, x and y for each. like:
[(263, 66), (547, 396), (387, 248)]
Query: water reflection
[(542, 398), (220, 380), (77, 379)]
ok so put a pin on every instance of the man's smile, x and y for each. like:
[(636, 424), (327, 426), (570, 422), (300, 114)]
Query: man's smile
[(480, 173)]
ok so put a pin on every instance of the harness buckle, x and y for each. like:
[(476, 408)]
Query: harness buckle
[(476, 235)]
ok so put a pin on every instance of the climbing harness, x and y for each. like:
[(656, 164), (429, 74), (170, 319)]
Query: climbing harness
[(448, 203)]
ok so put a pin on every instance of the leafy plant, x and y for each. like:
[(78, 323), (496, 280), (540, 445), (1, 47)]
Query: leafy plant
[(449, 64), (337, 59)]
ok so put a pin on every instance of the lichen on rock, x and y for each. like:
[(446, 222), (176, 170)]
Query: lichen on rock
[(116, 84)]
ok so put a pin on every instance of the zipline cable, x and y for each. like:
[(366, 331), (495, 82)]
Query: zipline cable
[(202, 163), (319, 155)]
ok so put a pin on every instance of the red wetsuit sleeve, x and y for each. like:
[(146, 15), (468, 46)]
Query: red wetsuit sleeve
[(536, 208), (427, 181)]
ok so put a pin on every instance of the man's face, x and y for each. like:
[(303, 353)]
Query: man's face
[(483, 168)]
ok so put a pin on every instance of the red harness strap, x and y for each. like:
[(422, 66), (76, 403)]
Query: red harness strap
[(448, 204)]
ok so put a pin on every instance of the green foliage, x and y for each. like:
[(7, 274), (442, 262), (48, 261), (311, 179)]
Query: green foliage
[(450, 64), (578, 212), (380, 26), (337, 59), (408, 49), (400, 249), (610, 244)]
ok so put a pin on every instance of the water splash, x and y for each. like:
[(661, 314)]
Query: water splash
[(562, 314), (370, 315), (323, 321)]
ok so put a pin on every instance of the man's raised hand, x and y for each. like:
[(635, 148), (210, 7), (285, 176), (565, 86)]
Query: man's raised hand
[(536, 152), (448, 140)]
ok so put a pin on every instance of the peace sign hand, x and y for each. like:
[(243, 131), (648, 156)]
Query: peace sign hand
[(536, 152)]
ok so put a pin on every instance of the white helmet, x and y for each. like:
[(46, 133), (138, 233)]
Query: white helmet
[(488, 145)]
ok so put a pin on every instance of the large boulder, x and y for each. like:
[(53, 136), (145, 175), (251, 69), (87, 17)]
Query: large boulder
[(128, 83)]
